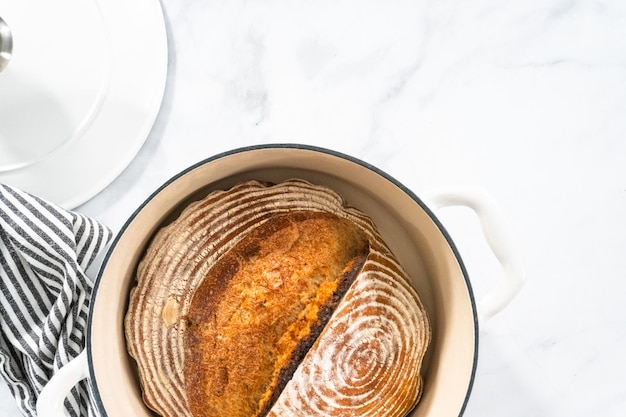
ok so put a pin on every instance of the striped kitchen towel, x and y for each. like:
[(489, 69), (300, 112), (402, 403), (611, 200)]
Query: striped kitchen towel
[(44, 252)]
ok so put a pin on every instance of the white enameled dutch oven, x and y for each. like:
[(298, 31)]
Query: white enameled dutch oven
[(407, 223)]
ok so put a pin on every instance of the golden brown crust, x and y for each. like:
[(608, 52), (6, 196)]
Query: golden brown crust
[(261, 307)]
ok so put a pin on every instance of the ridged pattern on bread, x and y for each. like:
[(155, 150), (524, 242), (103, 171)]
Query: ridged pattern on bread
[(376, 336), (367, 359)]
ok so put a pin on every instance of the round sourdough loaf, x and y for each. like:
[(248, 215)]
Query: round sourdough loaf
[(275, 300)]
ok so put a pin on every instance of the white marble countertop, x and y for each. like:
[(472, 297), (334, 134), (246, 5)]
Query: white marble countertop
[(525, 99)]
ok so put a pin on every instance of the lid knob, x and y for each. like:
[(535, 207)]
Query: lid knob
[(6, 44)]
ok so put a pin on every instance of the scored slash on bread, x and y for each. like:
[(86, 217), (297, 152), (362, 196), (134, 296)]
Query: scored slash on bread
[(275, 300)]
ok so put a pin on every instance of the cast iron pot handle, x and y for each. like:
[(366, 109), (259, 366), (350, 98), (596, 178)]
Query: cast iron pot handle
[(500, 238), (52, 397)]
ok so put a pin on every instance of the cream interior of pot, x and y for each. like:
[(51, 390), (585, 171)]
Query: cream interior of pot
[(409, 230)]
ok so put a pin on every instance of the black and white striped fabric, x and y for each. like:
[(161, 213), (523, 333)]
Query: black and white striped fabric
[(44, 251)]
